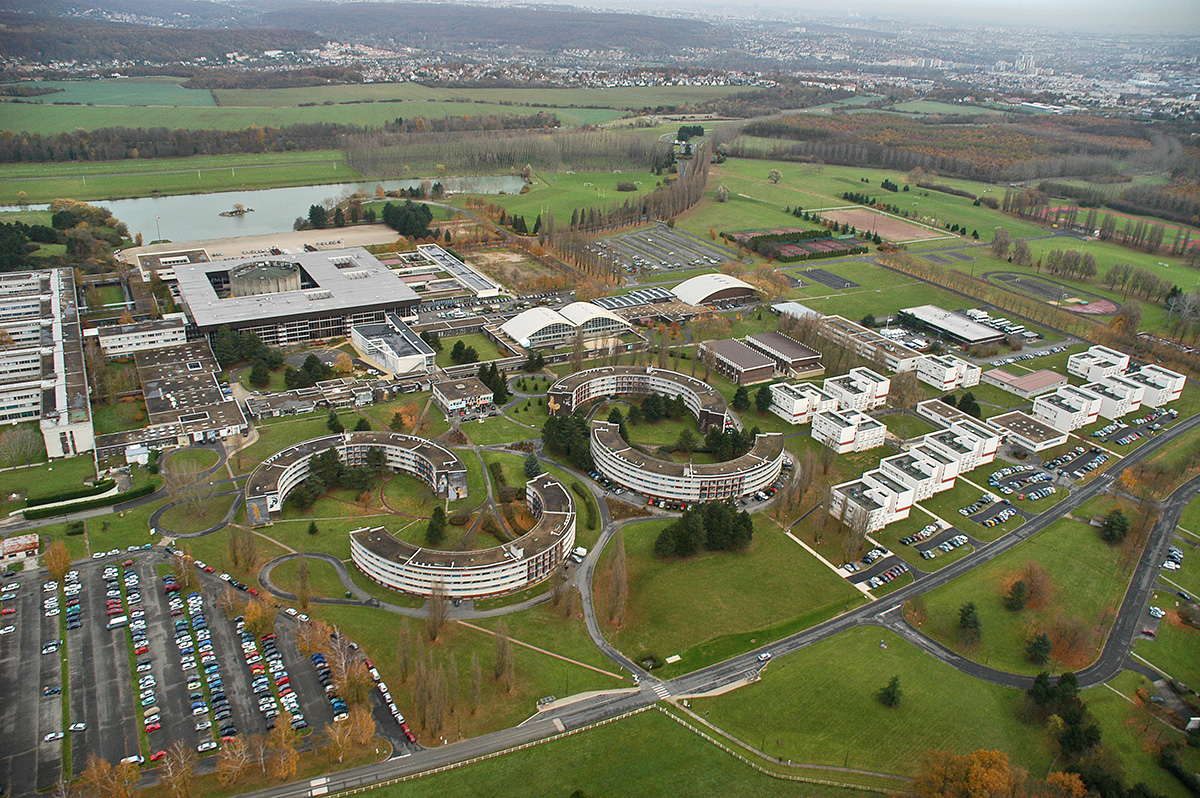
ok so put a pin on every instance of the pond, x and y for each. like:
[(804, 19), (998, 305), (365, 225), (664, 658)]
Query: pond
[(193, 217)]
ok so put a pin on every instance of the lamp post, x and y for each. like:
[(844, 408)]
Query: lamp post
[(158, 227)]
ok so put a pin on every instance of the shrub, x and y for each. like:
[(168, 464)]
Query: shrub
[(625, 185), (105, 501), (76, 493)]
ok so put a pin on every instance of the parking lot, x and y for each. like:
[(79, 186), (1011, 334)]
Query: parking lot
[(192, 662), (1149, 421), (660, 249)]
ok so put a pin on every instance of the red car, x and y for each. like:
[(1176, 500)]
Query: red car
[(8, 611), (157, 755), (253, 591), (153, 727), (140, 650), (210, 570), (1148, 632)]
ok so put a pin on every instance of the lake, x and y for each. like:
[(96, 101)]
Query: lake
[(192, 217)]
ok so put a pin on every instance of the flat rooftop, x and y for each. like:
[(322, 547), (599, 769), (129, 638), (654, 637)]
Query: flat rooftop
[(1027, 427), (954, 324), (1034, 382), (710, 398), (335, 282), (740, 355), (766, 447), (396, 336), (466, 388), (785, 346)]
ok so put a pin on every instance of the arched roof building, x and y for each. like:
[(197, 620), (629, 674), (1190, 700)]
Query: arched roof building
[(710, 289)]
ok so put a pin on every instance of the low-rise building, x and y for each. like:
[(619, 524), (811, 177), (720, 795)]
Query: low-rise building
[(18, 547), (1097, 363), (1029, 433), (947, 372), (394, 346), (869, 344), (1026, 386), (741, 364), (1068, 408), (954, 327), (124, 340), (847, 431), (871, 502), (968, 442), (1119, 396), (1160, 386), (574, 391), (920, 473), (790, 356), (797, 403), (861, 389), (462, 394)]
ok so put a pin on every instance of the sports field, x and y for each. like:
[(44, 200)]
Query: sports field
[(890, 228)]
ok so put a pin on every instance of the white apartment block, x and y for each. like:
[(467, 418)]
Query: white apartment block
[(869, 344), (873, 500), (918, 472), (860, 390), (968, 443), (1097, 363), (1160, 385), (849, 431), (1119, 396), (798, 403), (1068, 408), (123, 340), (947, 372)]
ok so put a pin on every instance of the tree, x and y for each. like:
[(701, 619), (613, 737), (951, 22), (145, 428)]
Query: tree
[(343, 363), (260, 616), (178, 767), (970, 406), (1001, 241), (741, 399), (762, 400), (183, 481), (22, 445), (969, 625), (722, 193), (58, 560), (774, 175), (333, 423), (979, 773), (532, 466), (1021, 254), (435, 530), (1115, 527), (687, 441), (889, 696), (361, 723), (1018, 596), (435, 611), (318, 217), (1038, 649), (340, 737), (476, 683), (260, 375), (503, 669)]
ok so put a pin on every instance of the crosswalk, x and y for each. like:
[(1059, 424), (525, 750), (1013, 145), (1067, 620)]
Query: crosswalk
[(661, 691)]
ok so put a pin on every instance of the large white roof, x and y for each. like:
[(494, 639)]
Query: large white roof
[(523, 326), (695, 290), (579, 313)]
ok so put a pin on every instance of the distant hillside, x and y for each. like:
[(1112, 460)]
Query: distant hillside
[(71, 38)]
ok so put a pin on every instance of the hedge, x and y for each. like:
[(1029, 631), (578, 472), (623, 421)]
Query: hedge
[(76, 493), (585, 495), (104, 501)]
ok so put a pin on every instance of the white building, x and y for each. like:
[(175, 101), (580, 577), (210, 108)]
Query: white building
[(947, 372), (849, 431), (869, 344), (918, 471), (1068, 408), (1096, 363), (1119, 396), (540, 326), (123, 340), (872, 501), (1160, 385), (861, 390), (462, 394), (797, 403), (969, 443), (394, 346)]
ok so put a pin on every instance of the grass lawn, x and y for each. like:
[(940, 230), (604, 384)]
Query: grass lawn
[(660, 433), (1086, 580), (118, 417), (76, 544), (905, 426), (656, 756), (484, 346), (45, 479), (409, 495), (182, 519), (561, 193), (553, 629), (275, 434), (274, 385), (122, 529), (200, 459), (1175, 645), (819, 706), (890, 536), (214, 550), (530, 411), (322, 578), (773, 588), (498, 430), (945, 505)]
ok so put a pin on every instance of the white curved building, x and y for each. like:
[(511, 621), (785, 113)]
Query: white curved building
[(531, 558), (703, 401), (686, 482), (541, 327), (714, 288), (438, 467)]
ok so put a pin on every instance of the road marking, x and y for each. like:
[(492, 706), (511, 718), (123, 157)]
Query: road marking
[(558, 724), (1151, 664), (661, 691)]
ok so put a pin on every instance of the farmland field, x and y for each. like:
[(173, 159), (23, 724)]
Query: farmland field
[(126, 91)]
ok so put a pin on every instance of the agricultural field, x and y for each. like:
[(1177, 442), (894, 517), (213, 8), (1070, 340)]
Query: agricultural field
[(138, 178), (126, 91), (934, 108)]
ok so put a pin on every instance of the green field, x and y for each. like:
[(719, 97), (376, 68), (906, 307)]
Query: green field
[(819, 706), (141, 177), (42, 480), (498, 430), (485, 347), (125, 91), (1174, 647), (561, 194), (1087, 579), (756, 594), (940, 109)]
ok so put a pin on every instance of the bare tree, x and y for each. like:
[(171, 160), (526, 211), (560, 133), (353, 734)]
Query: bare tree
[(503, 670), (476, 683), (577, 351), (302, 580), (452, 684), (182, 479), (232, 761), (435, 611), (905, 390), (21, 446), (1001, 241), (404, 649), (178, 767), (258, 751), (618, 584), (340, 738)]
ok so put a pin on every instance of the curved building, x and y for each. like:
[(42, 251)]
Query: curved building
[(540, 326), (531, 558), (713, 289), (686, 482), (702, 400), (264, 277), (436, 466)]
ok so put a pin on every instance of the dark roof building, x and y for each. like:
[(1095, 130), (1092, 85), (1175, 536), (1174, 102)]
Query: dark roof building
[(789, 354), (738, 362)]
